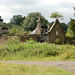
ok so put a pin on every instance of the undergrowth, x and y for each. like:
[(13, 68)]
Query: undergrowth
[(16, 50)]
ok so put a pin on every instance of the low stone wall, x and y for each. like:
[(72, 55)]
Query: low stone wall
[(70, 40), (27, 37)]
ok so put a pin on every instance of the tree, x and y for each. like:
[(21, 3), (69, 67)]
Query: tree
[(1, 20), (56, 15), (16, 19), (22, 20), (30, 21), (71, 28), (65, 26)]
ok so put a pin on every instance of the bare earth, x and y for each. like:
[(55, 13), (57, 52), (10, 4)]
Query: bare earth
[(67, 65)]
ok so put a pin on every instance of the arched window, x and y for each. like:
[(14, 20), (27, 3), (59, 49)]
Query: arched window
[(57, 32)]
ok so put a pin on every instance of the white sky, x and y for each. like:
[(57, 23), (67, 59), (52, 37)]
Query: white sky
[(8, 8)]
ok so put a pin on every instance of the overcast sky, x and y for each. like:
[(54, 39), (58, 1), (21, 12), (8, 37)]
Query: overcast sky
[(8, 8)]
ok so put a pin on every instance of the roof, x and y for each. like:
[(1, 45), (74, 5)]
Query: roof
[(57, 21)]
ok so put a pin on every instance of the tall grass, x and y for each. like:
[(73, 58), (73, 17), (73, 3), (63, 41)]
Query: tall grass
[(29, 49)]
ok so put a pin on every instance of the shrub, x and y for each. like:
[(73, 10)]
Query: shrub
[(57, 41), (13, 40), (70, 54), (31, 41), (31, 49)]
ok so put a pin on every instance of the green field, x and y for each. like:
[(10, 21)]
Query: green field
[(19, 69)]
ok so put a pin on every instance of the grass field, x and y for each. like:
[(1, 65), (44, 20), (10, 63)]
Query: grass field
[(18, 69)]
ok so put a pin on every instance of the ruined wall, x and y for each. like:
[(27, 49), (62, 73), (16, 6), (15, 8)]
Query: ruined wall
[(44, 38), (53, 34), (27, 37)]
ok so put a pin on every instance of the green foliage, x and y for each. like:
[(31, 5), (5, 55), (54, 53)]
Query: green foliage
[(16, 19), (56, 15), (57, 41), (71, 29), (12, 40), (1, 20), (65, 26), (70, 54), (31, 41), (13, 49), (6, 25), (25, 50), (17, 30), (30, 21), (69, 33)]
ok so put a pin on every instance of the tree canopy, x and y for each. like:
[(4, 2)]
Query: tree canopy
[(1, 20), (56, 15), (71, 29), (16, 19), (65, 26), (30, 21)]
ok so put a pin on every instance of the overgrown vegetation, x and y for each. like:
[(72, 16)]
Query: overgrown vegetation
[(13, 49), (71, 29), (57, 41), (19, 69)]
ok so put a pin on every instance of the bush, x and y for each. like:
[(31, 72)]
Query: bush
[(70, 54), (13, 40), (16, 50), (57, 41), (31, 41)]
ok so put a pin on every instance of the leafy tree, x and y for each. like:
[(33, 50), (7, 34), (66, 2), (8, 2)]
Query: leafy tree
[(22, 20), (16, 30), (65, 26), (71, 29), (56, 15), (30, 21), (16, 19), (1, 20)]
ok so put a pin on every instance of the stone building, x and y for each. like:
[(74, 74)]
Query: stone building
[(56, 32), (40, 32)]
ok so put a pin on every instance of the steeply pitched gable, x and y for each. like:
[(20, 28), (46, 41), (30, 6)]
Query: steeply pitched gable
[(54, 24)]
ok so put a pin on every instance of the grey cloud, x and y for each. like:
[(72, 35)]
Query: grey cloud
[(18, 2), (24, 7)]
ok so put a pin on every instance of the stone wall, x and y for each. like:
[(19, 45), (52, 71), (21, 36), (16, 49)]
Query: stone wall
[(56, 33), (44, 38), (27, 37)]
